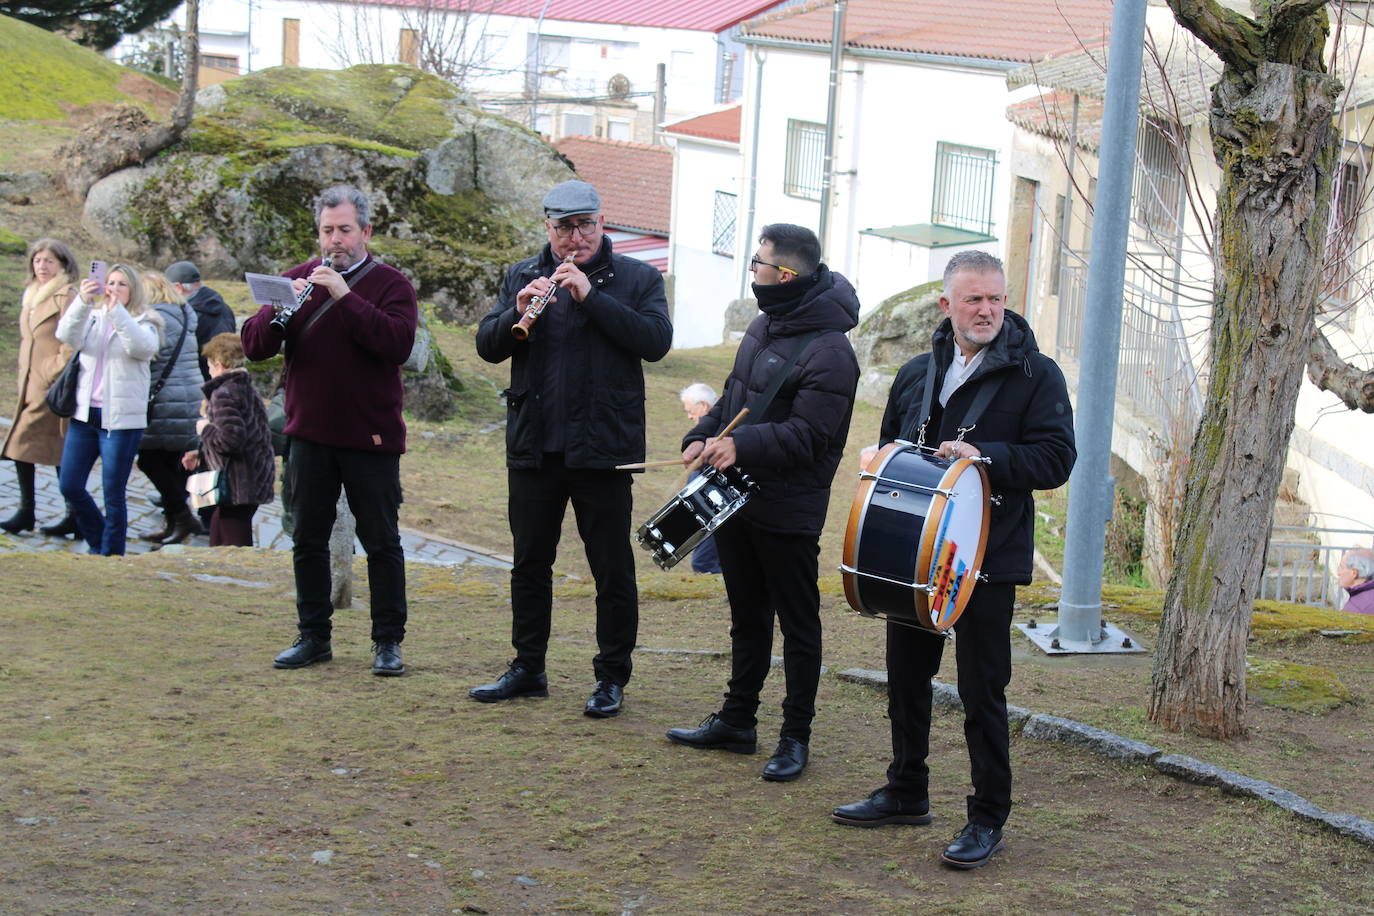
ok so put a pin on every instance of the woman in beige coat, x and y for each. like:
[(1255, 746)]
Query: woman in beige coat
[(37, 434)]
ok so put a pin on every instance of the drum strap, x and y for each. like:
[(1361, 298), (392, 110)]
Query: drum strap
[(765, 397), (987, 389)]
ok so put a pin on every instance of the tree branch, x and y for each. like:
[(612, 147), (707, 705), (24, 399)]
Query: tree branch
[(1326, 369), (1236, 39)]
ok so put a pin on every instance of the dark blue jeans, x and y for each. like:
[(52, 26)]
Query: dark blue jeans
[(372, 484), (116, 448)]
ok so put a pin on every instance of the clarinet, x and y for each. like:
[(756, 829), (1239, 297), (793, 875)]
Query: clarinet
[(521, 329), (282, 318)]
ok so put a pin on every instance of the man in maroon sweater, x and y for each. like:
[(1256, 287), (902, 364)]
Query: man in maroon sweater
[(344, 349)]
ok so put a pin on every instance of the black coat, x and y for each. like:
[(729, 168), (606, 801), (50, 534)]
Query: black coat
[(212, 317), (622, 321), (793, 450), (1027, 431)]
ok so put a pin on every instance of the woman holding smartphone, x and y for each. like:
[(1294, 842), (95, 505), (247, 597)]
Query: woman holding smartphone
[(118, 335)]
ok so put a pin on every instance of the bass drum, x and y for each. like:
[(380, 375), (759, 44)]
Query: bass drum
[(917, 530)]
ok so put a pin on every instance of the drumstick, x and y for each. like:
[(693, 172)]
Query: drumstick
[(669, 462), (665, 463)]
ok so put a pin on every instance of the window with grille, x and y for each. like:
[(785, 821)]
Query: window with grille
[(1158, 191), (1339, 264), (805, 158), (723, 224), (963, 187)]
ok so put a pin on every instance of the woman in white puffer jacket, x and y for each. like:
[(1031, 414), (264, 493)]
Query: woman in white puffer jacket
[(118, 335)]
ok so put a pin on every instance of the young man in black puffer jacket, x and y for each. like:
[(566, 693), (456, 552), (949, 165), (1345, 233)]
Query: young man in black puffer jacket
[(791, 447)]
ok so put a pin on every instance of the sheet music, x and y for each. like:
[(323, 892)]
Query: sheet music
[(268, 289)]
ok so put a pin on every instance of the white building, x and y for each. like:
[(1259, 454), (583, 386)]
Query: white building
[(587, 67), (704, 257), (920, 135)]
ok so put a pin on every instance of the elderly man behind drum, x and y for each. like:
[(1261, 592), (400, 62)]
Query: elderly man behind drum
[(984, 361)]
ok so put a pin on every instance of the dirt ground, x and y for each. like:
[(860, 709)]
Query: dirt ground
[(153, 761)]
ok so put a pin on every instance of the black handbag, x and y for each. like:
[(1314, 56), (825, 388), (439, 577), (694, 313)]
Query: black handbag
[(61, 396)]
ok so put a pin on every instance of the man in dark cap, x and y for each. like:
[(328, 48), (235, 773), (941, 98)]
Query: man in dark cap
[(212, 314), (575, 410)]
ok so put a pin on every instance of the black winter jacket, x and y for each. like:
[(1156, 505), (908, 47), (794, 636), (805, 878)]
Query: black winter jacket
[(212, 317), (1027, 431), (622, 321), (793, 450)]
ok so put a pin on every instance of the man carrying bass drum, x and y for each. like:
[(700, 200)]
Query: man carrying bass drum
[(1026, 429), (791, 446)]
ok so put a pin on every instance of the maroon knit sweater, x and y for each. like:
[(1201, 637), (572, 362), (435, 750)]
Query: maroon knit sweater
[(343, 377)]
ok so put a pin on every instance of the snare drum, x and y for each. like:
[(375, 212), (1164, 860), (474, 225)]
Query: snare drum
[(917, 529), (698, 509)]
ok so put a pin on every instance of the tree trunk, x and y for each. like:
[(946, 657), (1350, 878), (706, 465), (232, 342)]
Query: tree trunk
[(1274, 140), (127, 137)]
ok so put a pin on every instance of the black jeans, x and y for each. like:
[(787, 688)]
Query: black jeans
[(372, 483), (163, 468), (982, 648), (771, 575), (601, 503)]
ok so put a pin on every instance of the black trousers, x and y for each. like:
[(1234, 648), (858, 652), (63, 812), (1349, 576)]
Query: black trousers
[(602, 504), (770, 575), (163, 468), (372, 484), (982, 648)]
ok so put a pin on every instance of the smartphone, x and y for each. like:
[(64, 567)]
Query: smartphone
[(98, 274)]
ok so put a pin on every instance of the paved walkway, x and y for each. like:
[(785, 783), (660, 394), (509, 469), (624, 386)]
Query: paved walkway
[(144, 516)]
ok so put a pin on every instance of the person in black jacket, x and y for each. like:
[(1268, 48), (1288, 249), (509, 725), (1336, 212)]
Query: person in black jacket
[(575, 410), (213, 316), (1027, 432), (791, 447)]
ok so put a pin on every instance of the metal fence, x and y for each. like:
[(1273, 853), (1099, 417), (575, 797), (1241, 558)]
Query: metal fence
[(1155, 369), (1302, 561)]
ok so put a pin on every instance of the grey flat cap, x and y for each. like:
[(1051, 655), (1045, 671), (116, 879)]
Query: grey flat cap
[(569, 198), (183, 272)]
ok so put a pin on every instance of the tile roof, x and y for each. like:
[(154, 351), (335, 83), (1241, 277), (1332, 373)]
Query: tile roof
[(1176, 75), (635, 179), (699, 15), (1051, 115), (1002, 30), (717, 125)]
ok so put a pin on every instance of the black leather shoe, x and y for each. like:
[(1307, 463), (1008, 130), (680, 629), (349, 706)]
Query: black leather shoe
[(881, 809), (787, 761), (605, 700), (306, 650), (518, 681), (713, 734), (973, 847), (155, 537), (62, 529), (387, 662)]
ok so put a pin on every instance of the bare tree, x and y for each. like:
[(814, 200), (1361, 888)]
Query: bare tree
[(1275, 141), (128, 137), (434, 36)]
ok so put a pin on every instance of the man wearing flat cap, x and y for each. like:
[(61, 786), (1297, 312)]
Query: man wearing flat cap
[(575, 410)]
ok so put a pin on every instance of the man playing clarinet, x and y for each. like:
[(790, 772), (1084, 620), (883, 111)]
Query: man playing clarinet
[(575, 410), (344, 346)]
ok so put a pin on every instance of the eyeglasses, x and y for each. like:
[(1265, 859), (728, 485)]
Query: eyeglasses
[(587, 227), (755, 263)]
